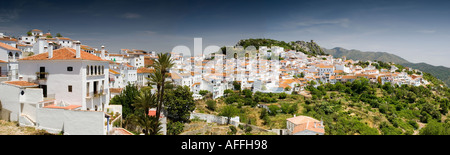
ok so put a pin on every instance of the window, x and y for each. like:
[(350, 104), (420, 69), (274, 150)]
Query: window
[(69, 88), (69, 68), (87, 70)]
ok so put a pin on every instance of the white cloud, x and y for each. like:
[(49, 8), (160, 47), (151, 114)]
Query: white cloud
[(131, 15)]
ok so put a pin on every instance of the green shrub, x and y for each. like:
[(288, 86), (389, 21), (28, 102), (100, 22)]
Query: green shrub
[(211, 105)]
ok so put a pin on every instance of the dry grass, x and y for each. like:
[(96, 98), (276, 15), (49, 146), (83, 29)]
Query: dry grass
[(11, 128)]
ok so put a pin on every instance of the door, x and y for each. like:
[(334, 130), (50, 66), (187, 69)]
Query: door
[(42, 73)]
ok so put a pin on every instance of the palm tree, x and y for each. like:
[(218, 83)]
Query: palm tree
[(143, 102), (162, 66)]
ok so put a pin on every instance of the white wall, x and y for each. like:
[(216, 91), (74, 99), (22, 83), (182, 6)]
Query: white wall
[(59, 79), (71, 122), (9, 97)]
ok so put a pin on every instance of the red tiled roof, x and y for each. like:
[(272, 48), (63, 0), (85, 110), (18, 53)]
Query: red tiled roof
[(62, 38), (70, 107), (8, 39), (64, 54), (113, 71), (306, 123), (21, 83), (145, 70), (152, 112), (1, 61), (115, 90), (7, 47)]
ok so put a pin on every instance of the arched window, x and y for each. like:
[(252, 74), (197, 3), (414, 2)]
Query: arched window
[(87, 70), (17, 55), (92, 70), (10, 55), (103, 70), (95, 73)]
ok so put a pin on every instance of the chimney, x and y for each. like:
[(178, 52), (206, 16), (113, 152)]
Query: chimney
[(77, 48), (103, 52), (50, 51), (41, 45)]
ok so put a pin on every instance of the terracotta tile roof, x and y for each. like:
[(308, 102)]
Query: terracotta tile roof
[(152, 112), (1, 61), (64, 54), (70, 107), (306, 123), (324, 66), (21, 83), (115, 90), (62, 38), (338, 71), (8, 39), (121, 131), (145, 70), (128, 65), (7, 47), (175, 76), (113, 71), (115, 55), (36, 30)]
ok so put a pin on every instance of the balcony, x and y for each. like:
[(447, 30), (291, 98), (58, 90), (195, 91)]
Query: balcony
[(95, 94), (41, 75)]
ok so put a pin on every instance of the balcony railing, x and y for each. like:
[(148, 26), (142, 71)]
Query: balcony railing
[(41, 75)]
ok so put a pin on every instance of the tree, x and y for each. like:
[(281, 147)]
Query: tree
[(247, 93), (229, 111), (174, 128), (211, 105), (179, 103), (282, 95), (227, 92), (143, 102), (203, 92), (435, 128), (162, 66), (126, 99), (29, 33), (58, 35), (141, 119), (236, 85)]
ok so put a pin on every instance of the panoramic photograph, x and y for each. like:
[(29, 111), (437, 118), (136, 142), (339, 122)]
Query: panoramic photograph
[(258, 69)]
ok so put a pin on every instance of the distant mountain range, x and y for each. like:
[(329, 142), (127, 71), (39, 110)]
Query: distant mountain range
[(440, 72)]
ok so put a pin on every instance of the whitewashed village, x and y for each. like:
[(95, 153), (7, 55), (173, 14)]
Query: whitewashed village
[(65, 86)]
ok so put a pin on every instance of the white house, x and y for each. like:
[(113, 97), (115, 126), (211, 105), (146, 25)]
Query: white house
[(8, 58), (70, 75)]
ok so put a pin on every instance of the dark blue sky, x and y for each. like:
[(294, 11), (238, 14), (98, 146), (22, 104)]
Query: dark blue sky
[(415, 30)]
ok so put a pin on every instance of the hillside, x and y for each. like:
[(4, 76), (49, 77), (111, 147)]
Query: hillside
[(310, 48), (440, 72), (364, 56)]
